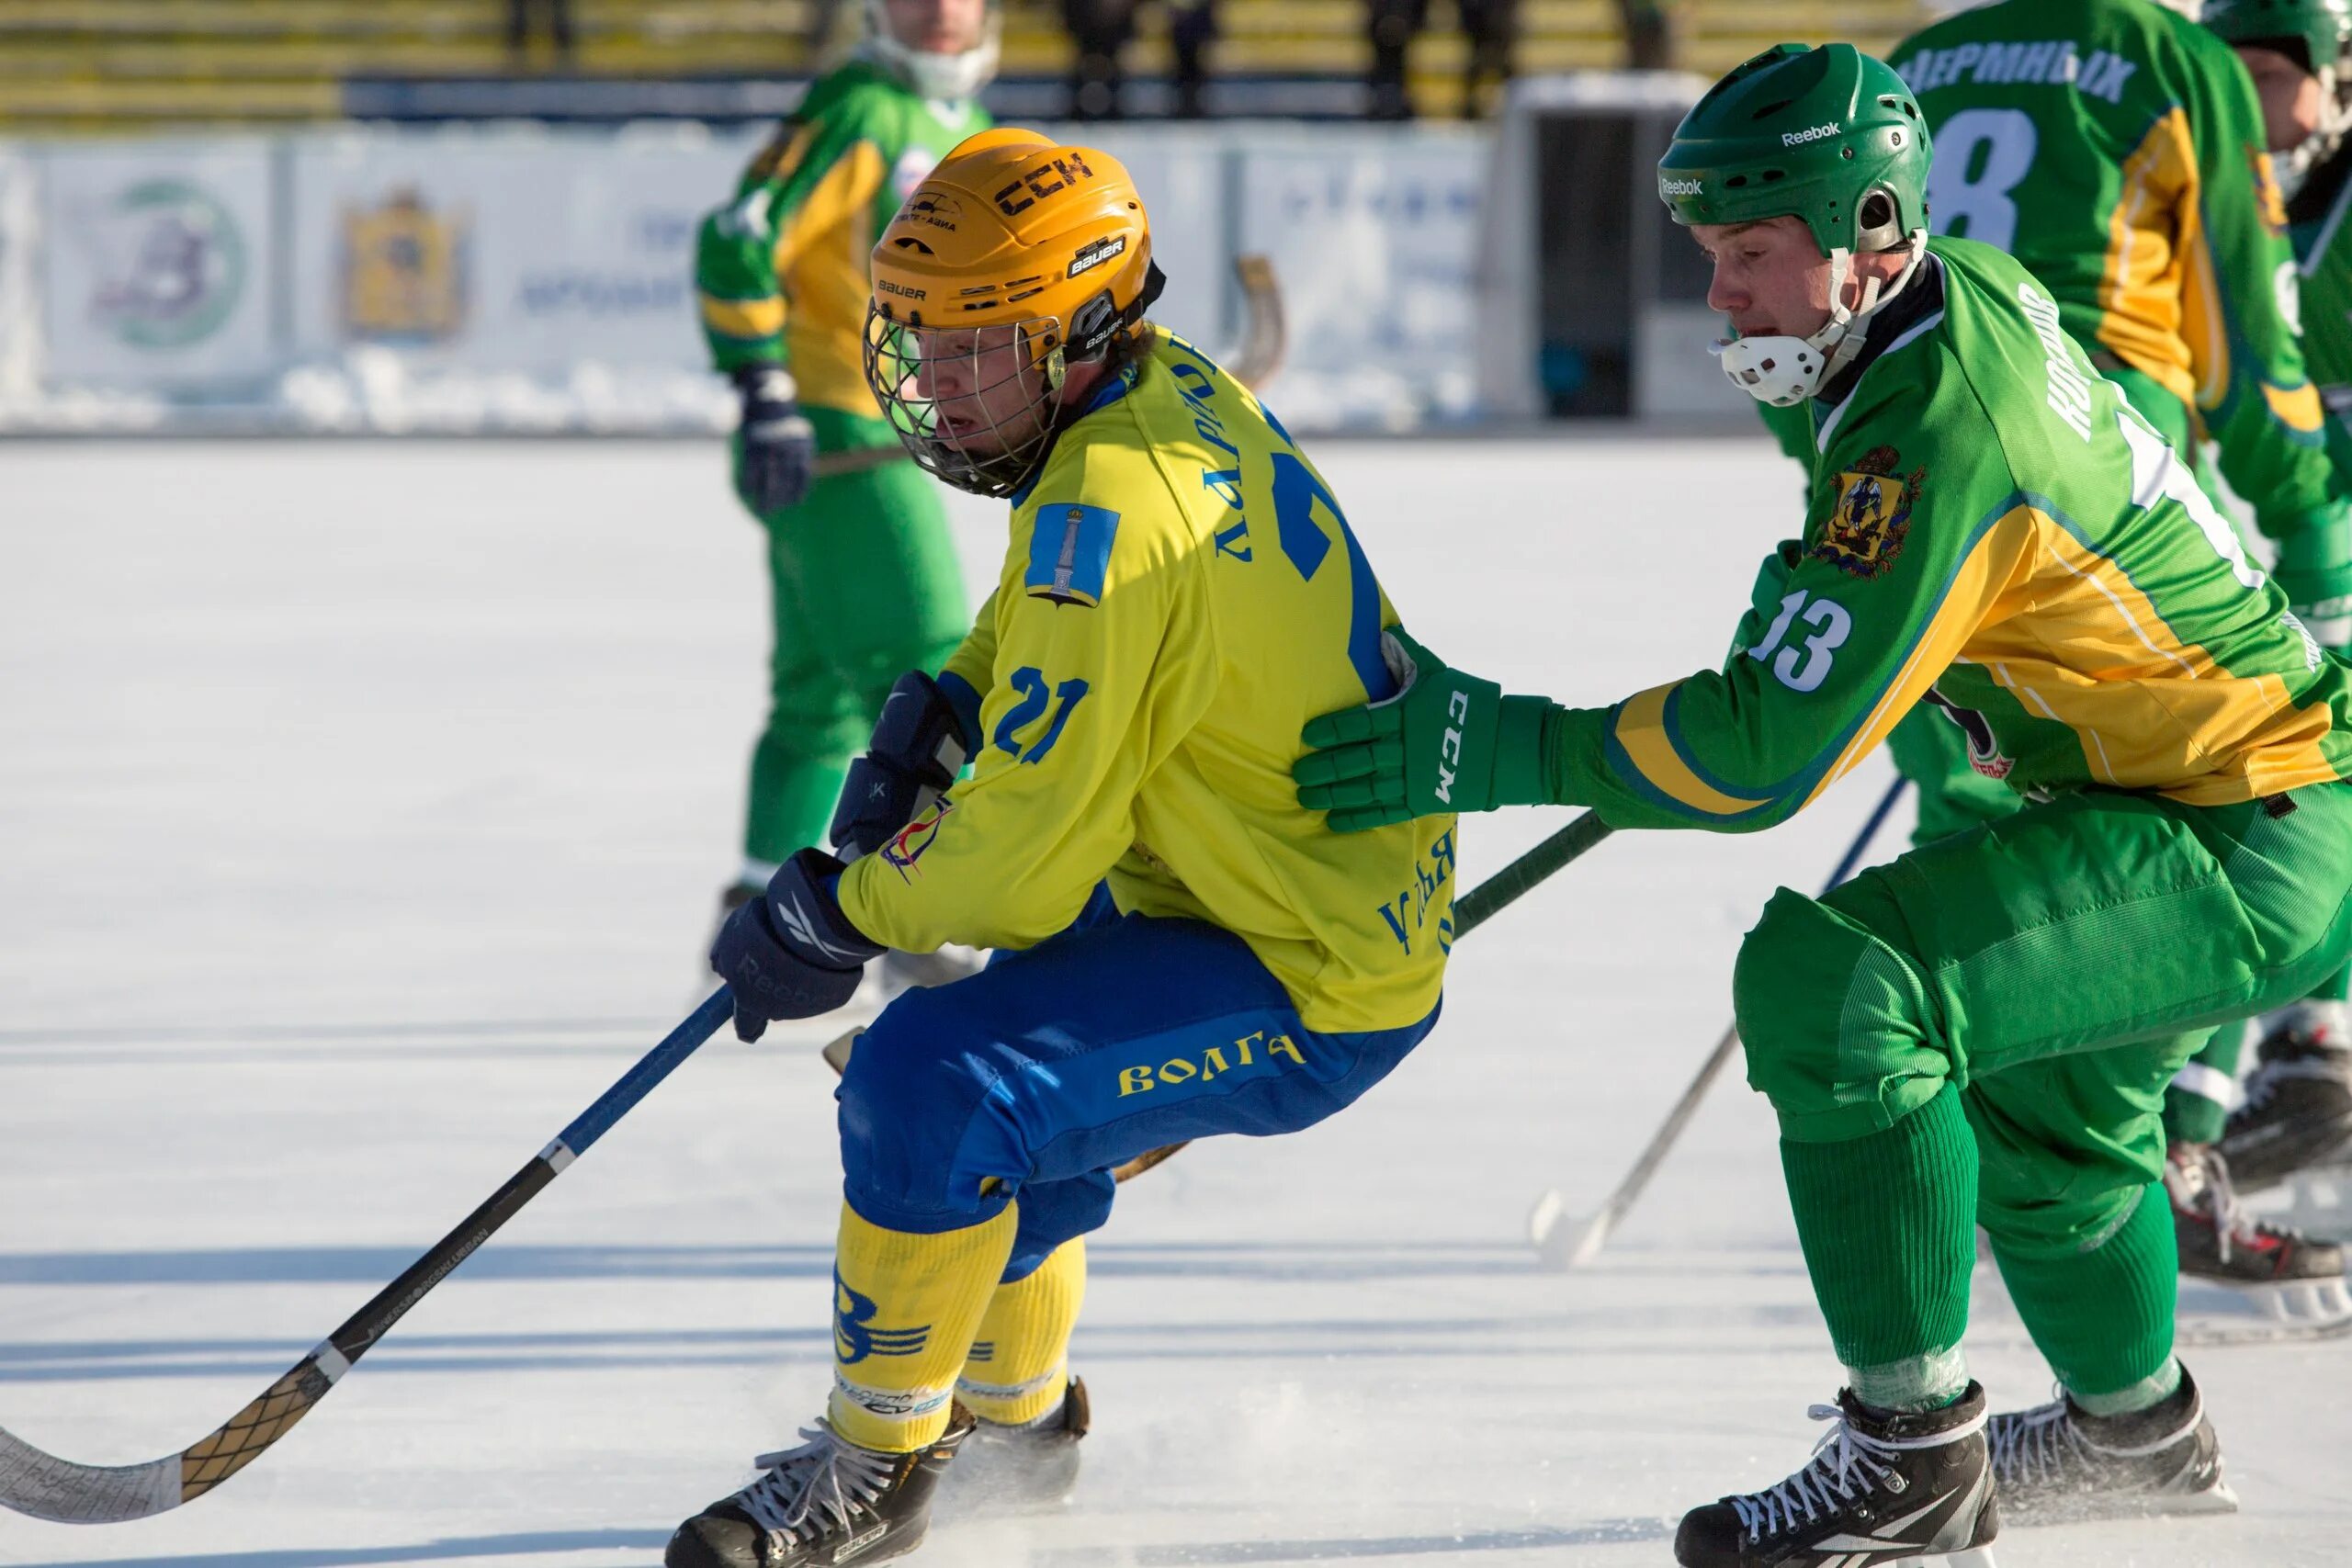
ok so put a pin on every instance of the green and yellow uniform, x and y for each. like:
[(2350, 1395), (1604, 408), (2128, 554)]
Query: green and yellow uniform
[(866, 581), (2111, 148), (1983, 1031), (2078, 593), (2116, 149), (1992, 525)]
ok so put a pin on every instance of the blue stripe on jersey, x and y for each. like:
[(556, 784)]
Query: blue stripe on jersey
[(1363, 622)]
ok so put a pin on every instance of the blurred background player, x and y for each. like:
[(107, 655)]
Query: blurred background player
[(864, 579), (2298, 1107), (1491, 26), (2111, 148), (1180, 594), (1981, 1032)]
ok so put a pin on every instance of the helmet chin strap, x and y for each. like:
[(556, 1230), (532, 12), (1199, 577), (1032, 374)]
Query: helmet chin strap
[(1785, 371)]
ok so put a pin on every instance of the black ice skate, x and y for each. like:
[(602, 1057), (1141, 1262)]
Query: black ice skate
[(824, 1503), (1882, 1491), (2295, 1279), (1021, 1468), (2055, 1463), (2297, 1111)]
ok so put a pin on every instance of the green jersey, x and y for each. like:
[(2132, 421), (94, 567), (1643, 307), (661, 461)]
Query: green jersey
[(2116, 149), (781, 270), (2320, 224), (1993, 528)]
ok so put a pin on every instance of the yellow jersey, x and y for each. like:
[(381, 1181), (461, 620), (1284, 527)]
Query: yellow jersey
[(1179, 595)]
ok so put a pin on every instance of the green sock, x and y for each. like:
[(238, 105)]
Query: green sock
[(1888, 1226), (2103, 1317)]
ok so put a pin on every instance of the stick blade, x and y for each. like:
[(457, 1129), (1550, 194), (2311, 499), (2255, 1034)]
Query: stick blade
[(1265, 337), (837, 1050), (1562, 1241), (48, 1487), (1147, 1159), (1590, 1239)]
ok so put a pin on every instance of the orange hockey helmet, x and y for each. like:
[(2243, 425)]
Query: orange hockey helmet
[(1015, 259)]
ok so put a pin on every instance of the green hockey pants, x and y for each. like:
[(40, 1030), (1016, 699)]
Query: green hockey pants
[(867, 587), (2057, 967)]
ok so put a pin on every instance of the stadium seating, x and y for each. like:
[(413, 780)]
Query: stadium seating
[(71, 65)]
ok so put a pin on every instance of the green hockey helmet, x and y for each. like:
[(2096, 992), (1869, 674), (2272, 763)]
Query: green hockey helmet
[(2323, 26), (1829, 135), (2321, 31)]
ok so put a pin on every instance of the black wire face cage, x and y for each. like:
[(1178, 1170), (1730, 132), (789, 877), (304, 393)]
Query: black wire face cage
[(974, 405)]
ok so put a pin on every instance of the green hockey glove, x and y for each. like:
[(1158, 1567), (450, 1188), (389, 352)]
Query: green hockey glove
[(1446, 741), (2315, 571)]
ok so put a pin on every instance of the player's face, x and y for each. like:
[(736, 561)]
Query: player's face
[(936, 27), (985, 401), (1770, 278), (2291, 97)]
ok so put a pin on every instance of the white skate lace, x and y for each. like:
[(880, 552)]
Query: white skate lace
[(815, 1487), (2207, 1185), (2035, 1444), (1846, 1463)]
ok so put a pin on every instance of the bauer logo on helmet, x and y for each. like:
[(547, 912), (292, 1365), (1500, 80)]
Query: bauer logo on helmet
[(1095, 253)]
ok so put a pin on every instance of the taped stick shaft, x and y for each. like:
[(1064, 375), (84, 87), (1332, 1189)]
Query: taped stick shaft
[(42, 1484), (1504, 888)]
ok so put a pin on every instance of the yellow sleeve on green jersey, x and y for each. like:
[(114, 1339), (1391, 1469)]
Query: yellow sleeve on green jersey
[(1916, 530), (819, 173), (1077, 705)]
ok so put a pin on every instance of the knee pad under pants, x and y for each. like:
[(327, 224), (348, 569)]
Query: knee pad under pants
[(1841, 1032)]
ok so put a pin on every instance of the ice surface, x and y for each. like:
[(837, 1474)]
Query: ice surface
[(362, 808)]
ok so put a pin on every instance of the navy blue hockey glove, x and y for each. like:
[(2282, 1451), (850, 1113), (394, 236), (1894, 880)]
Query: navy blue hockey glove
[(919, 745), (778, 461), (791, 952)]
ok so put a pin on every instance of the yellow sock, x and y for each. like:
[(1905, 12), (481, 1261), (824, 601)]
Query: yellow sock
[(905, 1310), (1020, 1363)]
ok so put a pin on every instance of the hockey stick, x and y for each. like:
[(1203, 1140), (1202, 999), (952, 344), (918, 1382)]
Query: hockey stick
[(48, 1487), (45, 1487), (1265, 339), (858, 460), (1545, 1225), (1265, 335), (1475, 909)]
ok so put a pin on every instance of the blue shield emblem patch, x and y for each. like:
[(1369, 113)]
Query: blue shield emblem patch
[(1069, 553)]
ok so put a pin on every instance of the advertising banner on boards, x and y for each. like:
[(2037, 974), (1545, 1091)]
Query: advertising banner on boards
[(158, 261), (1374, 235), (530, 253)]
